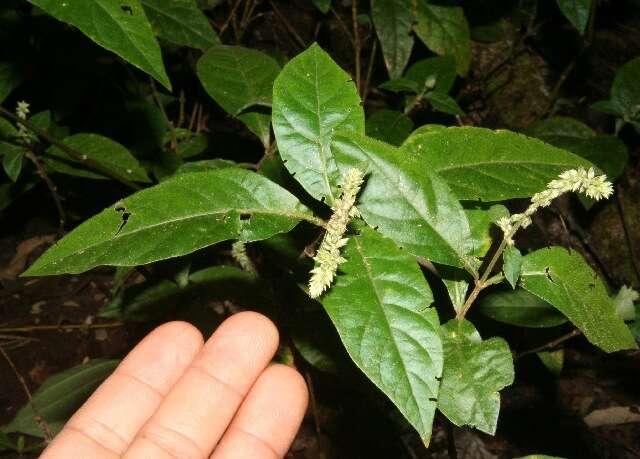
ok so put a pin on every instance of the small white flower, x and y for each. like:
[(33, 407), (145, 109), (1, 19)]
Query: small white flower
[(22, 110), (328, 257)]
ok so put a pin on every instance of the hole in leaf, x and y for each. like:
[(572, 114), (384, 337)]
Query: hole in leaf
[(120, 207), (547, 272), (433, 399), (245, 217), (127, 9)]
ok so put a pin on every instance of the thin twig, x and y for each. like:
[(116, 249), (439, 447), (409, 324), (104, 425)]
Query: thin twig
[(174, 139), (549, 345), (343, 26), (356, 42), (367, 80), (231, 15), (288, 25), (38, 417), (60, 327), (627, 234), (53, 189), (82, 158)]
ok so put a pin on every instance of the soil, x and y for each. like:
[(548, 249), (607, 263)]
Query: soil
[(541, 413)]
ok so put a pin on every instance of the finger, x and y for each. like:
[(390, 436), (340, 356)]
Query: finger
[(200, 406), (269, 418), (107, 423)]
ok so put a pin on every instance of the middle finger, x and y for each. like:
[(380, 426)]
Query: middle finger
[(197, 411)]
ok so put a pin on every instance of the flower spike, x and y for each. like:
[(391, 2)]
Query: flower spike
[(328, 257)]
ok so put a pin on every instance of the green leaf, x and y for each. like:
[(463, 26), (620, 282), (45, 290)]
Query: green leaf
[(180, 22), (481, 164), (445, 31), (625, 91), (554, 360), (259, 124), (564, 280), (120, 28), (237, 78), (159, 300), (189, 143), (10, 78), (312, 99), (60, 396), (521, 308), (474, 372), (405, 201), (110, 154), (205, 165), (444, 103), (512, 265), (12, 161), (390, 126), (481, 220), (180, 215), (605, 151), (392, 20), (380, 306), (440, 70), (577, 12), (323, 5)]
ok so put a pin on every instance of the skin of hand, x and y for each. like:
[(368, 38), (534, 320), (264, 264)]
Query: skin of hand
[(175, 396)]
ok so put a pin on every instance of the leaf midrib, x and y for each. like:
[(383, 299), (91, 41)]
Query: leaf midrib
[(121, 235), (388, 325)]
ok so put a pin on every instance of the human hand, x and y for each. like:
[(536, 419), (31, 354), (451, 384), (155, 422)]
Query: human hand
[(175, 397)]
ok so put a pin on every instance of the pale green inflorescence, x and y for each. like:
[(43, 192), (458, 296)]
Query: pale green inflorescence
[(328, 257), (239, 254), (22, 112), (574, 180)]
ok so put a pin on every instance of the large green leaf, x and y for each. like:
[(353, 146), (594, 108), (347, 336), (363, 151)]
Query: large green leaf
[(176, 217), (405, 201), (180, 22), (60, 396), (110, 154), (237, 78), (564, 280), (577, 12), (392, 20), (521, 308), (380, 306), (445, 31), (10, 78), (390, 126), (490, 165), (605, 151), (474, 372), (121, 27), (312, 99)]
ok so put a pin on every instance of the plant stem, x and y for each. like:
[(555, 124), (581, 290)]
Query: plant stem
[(52, 188), (484, 280), (549, 345), (38, 417), (32, 328), (356, 42), (367, 80), (88, 162)]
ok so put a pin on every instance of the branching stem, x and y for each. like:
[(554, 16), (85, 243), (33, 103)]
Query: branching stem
[(88, 162)]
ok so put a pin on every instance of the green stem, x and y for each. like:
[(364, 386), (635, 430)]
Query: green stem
[(88, 162), (484, 280)]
